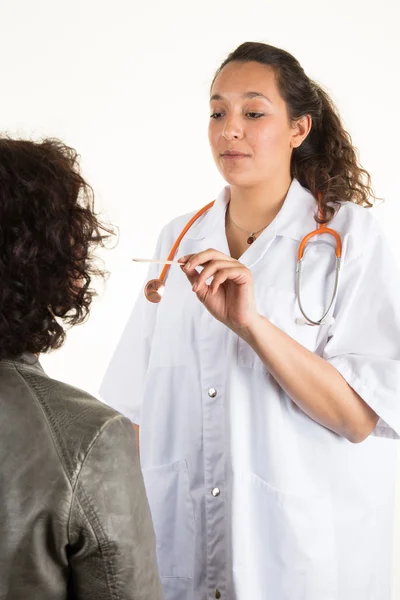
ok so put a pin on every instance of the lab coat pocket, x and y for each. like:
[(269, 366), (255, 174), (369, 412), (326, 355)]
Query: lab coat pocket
[(289, 544), (282, 309), (172, 511)]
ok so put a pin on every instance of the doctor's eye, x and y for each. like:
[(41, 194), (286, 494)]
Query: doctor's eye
[(216, 115), (254, 115)]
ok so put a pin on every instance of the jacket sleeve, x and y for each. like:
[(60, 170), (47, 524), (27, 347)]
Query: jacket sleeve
[(364, 345), (111, 538)]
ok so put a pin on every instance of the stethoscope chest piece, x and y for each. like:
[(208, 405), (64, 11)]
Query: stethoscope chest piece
[(154, 290)]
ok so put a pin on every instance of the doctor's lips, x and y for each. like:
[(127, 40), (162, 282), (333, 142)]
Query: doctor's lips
[(234, 155)]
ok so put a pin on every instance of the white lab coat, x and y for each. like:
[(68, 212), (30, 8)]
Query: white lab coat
[(250, 496)]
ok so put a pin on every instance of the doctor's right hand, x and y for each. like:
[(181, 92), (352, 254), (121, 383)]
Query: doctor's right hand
[(230, 295)]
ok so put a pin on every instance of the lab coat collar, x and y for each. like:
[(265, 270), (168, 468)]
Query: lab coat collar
[(294, 220)]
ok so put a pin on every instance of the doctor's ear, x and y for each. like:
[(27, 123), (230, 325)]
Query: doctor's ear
[(300, 129)]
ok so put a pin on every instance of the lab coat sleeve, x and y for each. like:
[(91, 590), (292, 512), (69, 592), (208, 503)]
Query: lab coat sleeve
[(124, 381), (364, 345)]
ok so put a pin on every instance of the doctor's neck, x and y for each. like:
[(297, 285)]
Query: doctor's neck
[(256, 206)]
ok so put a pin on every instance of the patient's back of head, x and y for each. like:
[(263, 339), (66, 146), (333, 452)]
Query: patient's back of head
[(48, 230)]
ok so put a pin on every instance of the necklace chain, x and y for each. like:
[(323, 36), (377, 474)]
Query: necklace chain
[(251, 234)]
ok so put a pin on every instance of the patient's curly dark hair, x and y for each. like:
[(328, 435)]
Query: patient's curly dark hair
[(48, 229)]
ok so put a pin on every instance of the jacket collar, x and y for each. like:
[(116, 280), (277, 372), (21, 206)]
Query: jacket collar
[(27, 359), (294, 220)]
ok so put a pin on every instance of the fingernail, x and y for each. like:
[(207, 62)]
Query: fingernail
[(188, 266)]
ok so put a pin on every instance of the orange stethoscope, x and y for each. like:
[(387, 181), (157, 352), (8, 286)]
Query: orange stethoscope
[(155, 287)]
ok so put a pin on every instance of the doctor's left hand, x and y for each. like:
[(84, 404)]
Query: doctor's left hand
[(230, 295)]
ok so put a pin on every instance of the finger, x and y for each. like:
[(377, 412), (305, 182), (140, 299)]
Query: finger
[(200, 293), (201, 258), (240, 276), (213, 267), (185, 258)]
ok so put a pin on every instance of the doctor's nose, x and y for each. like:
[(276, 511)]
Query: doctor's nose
[(232, 130)]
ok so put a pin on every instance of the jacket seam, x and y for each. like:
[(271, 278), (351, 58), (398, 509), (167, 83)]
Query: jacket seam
[(103, 547), (75, 486), (103, 544), (49, 424)]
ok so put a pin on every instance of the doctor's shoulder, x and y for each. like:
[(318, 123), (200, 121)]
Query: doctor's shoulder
[(358, 228)]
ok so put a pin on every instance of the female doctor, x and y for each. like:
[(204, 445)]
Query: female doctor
[(264, 428)]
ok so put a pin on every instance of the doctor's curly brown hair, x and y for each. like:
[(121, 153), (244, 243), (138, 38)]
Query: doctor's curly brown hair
[(48, 229)]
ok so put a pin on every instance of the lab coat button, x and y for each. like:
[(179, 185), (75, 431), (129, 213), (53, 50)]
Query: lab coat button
[(212, 392), (217, 594), (215, 492)]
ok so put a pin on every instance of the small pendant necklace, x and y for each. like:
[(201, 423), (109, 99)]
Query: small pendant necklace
[(251, 234)]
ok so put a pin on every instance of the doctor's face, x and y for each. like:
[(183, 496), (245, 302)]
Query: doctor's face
[(250, 133)]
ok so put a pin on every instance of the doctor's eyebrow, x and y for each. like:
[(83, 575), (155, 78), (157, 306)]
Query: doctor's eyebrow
[(247, 95)]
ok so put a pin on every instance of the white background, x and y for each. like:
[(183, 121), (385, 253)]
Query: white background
[(126, 83)]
